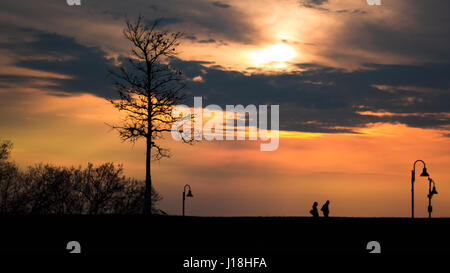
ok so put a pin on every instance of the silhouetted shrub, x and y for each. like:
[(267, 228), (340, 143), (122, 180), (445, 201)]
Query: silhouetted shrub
[(46, 189)]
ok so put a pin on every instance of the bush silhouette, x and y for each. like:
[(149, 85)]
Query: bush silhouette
[(47, 189)]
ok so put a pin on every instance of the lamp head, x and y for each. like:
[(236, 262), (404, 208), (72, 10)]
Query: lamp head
[(434, 190), (424, 172), (189, 194)]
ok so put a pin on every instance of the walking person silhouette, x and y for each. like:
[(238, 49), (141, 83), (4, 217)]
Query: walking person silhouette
[(314, 212), (325, 209)]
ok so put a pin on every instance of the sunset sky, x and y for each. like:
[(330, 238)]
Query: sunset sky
[(363, 91)]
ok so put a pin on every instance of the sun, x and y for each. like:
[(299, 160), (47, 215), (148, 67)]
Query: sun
[(276, 55)]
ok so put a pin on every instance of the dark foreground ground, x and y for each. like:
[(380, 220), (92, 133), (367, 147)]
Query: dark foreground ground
[(170, 240)]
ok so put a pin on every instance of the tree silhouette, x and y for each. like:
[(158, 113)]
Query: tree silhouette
[(5, 149), (148, 89), (47, 189)]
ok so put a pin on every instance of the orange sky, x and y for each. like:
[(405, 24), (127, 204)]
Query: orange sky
[(365, 174)]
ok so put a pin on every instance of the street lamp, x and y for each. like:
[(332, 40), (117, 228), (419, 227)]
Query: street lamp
[(430, 195), (413, 178), (189, 194)]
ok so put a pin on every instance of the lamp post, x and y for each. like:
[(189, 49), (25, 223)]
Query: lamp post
[(189, 194), (430, 195), (413, 178)]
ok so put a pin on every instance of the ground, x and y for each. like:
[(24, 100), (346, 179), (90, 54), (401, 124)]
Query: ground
[(222, 235)]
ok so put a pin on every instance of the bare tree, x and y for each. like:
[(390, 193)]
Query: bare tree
[(47, 189), (5, 149), (148, 89), (8, 177)]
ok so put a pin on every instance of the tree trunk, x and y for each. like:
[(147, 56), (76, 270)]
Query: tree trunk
[(148, 182), (148, 177)]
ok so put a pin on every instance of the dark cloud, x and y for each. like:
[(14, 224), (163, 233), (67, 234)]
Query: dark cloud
[(115, 14), (326, 99), (318, 99), (190, 37), (417, 31), (209, 41), (320, 5), (197, 17), (221, 4), (314, 4), (162, 22), (352, 11), (226, 23), (48, 52)]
